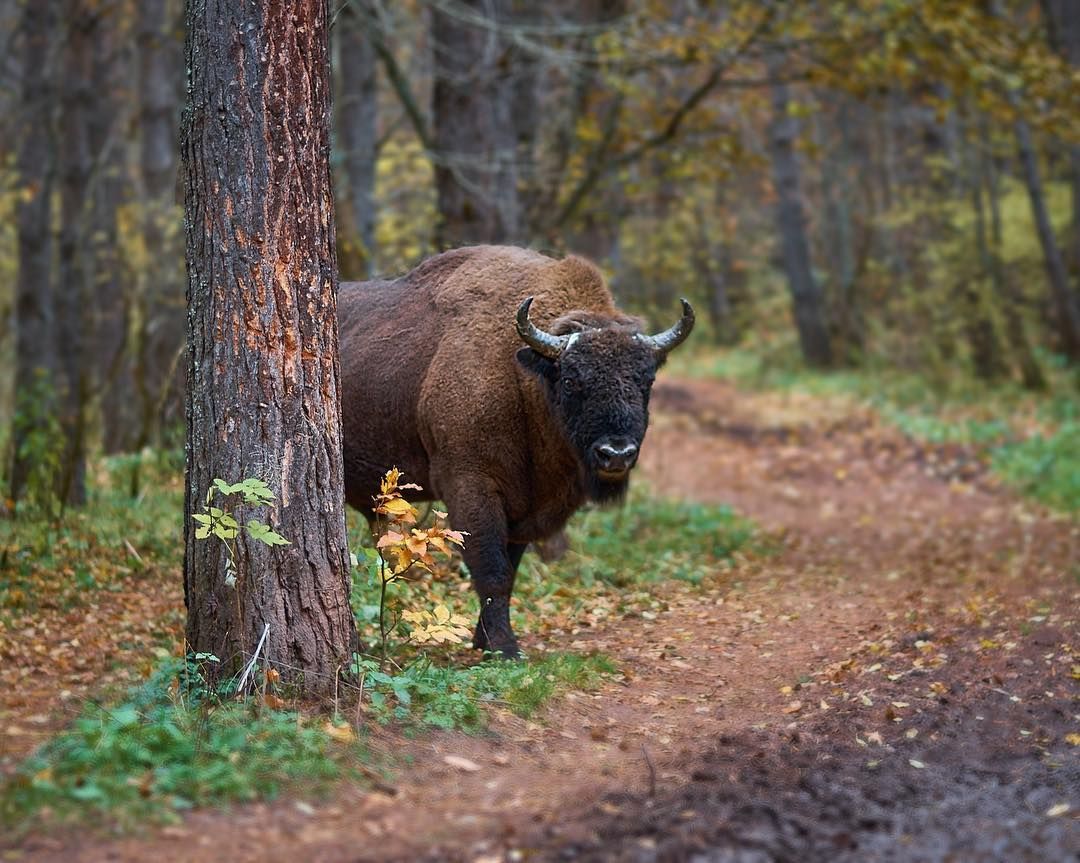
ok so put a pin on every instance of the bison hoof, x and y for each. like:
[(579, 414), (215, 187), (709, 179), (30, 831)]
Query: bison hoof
[(503, 646)]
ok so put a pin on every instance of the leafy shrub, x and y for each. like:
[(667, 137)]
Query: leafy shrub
[(1045, 466), (162, 750), (452, 696)]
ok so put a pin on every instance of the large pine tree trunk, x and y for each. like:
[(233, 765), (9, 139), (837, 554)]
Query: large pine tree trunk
[(475, 136), (263, 380), (357, 131), (35, 163), (806, 295)]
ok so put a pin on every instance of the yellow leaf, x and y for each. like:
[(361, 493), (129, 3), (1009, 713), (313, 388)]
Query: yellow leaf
[(340, 733), (442, 613), (397, 506), (391, 537), (1073, 739), (417, 546)]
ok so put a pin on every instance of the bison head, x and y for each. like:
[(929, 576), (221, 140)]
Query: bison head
[(598, 372)]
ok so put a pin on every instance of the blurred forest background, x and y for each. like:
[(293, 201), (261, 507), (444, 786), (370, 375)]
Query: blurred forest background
[(851, 184)]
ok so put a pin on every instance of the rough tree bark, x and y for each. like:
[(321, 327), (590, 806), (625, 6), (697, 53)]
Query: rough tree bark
[(475, 136), (806, 295), (263, 371), (35, 163), (355, 119)]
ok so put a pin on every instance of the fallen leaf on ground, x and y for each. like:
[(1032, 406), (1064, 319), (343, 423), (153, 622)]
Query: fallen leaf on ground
[(461, 763)]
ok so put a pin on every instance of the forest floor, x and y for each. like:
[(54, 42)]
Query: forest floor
[(899, 681)]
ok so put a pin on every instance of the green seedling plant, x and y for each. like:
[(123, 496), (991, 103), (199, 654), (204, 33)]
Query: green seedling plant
[(221, 521)]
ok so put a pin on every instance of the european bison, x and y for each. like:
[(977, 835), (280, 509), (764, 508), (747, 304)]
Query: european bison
[(514, 438)]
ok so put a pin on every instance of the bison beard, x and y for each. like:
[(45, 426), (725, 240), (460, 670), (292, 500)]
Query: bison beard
[(514, 439)]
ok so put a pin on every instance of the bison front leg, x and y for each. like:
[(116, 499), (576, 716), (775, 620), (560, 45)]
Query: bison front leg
[(492, 563), (493, 632)]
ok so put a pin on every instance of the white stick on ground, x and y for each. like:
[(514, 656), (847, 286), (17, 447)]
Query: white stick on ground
[(251, 663)]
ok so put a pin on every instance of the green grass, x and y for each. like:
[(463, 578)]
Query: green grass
[(653, 539), (157, 753), (1047, 467), (61, 563), (453, 696)]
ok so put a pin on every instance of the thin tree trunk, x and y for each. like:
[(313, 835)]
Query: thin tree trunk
[(1063, 21), (264, 388), (1031, 373), (357, 130), (158, 327), (110, 288), (839, 238), (985, 351), (1066, 304), (36, 164), (475, 170), (807, 300), (75, 265)]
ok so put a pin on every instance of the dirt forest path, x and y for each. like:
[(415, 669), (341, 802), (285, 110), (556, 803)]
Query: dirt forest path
[(897, 682)]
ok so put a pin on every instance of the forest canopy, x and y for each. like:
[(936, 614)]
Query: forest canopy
[(882, 184)]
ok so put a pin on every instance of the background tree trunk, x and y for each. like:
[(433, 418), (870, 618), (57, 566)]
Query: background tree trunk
[(34, 335), (806, 295), (110, 289), (158, 327), (474, 133), (1063, 20), (356, 114), (75, 271), (262, 338), (1066, 304)]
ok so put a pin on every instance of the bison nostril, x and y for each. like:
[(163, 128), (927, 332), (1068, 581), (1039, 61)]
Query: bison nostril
[(616, 455)]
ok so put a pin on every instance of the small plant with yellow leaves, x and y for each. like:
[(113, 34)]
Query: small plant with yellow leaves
[(404, 549)]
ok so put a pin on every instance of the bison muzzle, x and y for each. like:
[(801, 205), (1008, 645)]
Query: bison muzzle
[(509, 386)]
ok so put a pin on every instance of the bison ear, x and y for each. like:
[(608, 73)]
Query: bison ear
[(538, 364)]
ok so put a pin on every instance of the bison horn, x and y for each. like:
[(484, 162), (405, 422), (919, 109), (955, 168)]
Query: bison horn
[(543, 343), (670, 339)]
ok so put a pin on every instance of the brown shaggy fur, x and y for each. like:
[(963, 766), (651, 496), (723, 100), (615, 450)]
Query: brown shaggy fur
[(429, 381)]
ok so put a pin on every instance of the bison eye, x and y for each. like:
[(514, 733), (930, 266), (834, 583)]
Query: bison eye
[(569, 384)]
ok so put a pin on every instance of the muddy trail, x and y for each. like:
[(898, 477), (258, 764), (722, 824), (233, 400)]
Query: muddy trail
[(897, 681)]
